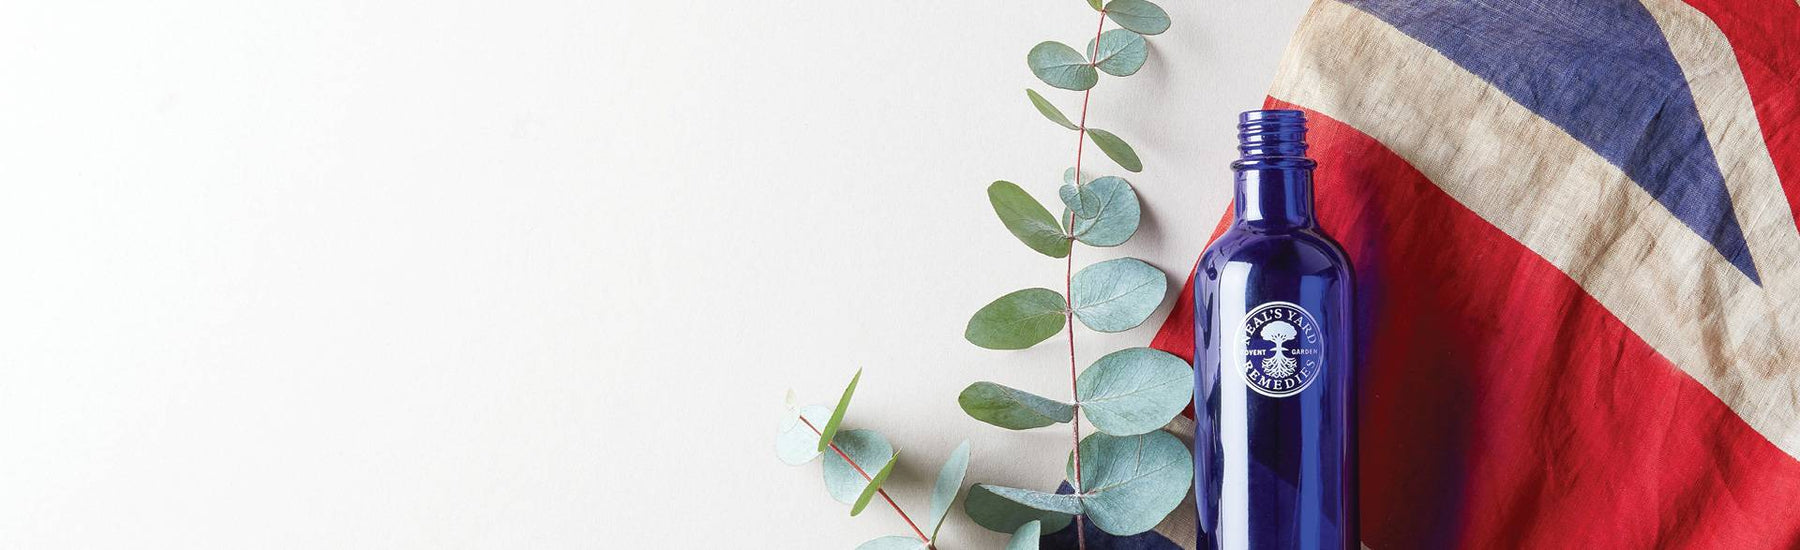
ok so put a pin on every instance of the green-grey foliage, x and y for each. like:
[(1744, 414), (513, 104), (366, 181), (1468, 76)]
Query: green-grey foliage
[(1133, 473), (1118, 294), (997, 513), (1027, 219), (893, 543), (1119, 52), (1106, 211), (868, 448), (949, 483), (1061, 66), (1116, 149), (868, 492), (1026, 538), (1039, 500), (1140, 16), (1049, 110), (795, 443), (1069, 177), (837, 415), (1134, 390), (1018, 320), (1073, 202), (1129, 484), (1012, 409), (850, 481)]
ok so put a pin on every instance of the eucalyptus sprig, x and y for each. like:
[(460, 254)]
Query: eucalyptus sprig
[(1130, 474), (853, 452), (1127, 477)]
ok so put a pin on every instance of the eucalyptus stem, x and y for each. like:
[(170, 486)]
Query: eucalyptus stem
[(883, 492), (1068, 288)]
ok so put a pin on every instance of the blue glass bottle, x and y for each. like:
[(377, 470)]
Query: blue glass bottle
[(1275, 435)]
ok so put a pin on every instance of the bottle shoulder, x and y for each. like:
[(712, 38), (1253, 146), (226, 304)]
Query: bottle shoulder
[(1305, 250)]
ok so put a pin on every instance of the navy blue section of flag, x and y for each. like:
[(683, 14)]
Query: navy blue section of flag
[(1602, 71)]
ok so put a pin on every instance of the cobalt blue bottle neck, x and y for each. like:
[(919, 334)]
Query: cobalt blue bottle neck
[(1274, 176)]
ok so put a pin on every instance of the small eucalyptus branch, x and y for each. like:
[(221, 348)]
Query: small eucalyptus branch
[(882, 492), (796, 447)]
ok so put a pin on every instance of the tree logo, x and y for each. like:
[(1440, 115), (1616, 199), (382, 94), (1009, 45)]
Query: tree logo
[(1283, 349)]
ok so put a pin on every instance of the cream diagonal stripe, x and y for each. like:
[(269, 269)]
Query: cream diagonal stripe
[(1560, 199), (1723, 99)]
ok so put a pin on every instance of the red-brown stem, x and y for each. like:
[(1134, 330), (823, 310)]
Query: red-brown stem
[(883, 492), (1068, 289)]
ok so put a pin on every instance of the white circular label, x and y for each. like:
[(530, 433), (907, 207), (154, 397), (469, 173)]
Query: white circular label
[(1283, 349)]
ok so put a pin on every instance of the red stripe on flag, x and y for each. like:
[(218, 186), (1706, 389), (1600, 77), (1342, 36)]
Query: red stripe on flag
[(1501, 406), (1763, 35)]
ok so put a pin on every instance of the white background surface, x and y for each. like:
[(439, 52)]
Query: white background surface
[(537, 274)]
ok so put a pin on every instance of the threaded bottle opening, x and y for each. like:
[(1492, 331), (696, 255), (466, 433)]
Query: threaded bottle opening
[(1267, 135)]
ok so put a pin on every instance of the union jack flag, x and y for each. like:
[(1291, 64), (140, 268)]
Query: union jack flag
[(1573, 225)]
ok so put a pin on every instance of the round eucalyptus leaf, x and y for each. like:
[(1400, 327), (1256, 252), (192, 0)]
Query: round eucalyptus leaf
[(1069, 177), (893, 543), (874, 485), (1061, 66), (1108, 212), (1039, 500), (1049, 110), (949, 483), (1070, 193), (1131, 483), (997, 513), (869, 449), (1120, 52), (1026, 538), (1134, 390), (1071, 197), (1018, 320), (1027, 219), (1011, 408), (1116, 149), (797, 444), (837, 414), (1094, 4), (1117, 295), (1139, 16)]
